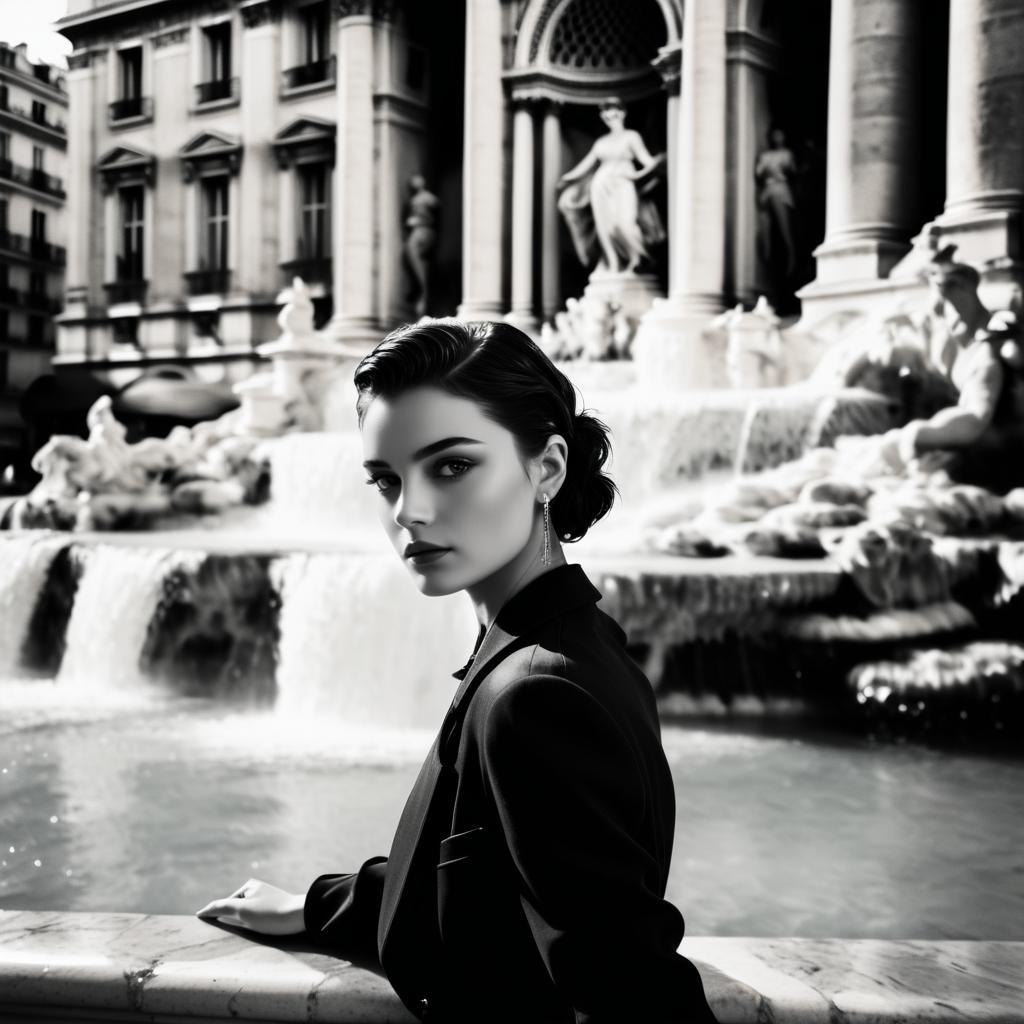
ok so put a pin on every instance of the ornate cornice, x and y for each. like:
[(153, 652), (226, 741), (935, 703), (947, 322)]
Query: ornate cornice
[(260, 12), (79, 59)]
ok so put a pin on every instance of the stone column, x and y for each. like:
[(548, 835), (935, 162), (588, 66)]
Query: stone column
[(670, 350), (522, 313), (257, 270), (354, 260), (482, 172), (874, 119), (551, 278), (985, 129)]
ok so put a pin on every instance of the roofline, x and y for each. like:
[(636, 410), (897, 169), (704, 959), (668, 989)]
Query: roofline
[(105, 12)]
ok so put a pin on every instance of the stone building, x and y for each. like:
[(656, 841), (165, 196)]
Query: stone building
[(219, 147), (33, 144)]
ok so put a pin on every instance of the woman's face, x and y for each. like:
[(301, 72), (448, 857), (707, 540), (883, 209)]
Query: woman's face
[(614, 117), (471, 496)]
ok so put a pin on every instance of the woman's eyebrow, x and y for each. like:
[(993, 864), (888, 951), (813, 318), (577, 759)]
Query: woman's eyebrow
[(427, 450)]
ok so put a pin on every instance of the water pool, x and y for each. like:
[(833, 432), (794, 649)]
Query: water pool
[(157, 804)]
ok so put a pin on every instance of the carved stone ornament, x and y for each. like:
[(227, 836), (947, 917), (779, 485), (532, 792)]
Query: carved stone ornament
[(79, 59), (260, 12), (172, 37), (668, 64)]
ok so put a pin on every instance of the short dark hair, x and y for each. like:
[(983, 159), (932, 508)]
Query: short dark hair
[(516, 386)]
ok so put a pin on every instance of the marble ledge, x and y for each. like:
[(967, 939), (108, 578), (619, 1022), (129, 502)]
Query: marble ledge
[(134, 967)]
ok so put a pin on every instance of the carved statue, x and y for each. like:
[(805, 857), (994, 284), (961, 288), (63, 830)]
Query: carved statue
[(774, 171), (421, 216), (980, 439), (605, 201)]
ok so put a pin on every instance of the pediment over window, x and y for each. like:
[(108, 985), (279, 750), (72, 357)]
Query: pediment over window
[(210, 153), (123, 165), (308, 138)]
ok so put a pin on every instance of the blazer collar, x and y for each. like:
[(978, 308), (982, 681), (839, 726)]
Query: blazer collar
[(545, 597)]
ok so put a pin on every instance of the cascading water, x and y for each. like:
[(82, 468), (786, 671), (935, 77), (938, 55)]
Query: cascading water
[(116, 599), (361, 644), (24, 563)]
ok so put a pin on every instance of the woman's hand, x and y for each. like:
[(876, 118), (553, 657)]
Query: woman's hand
[(260, 907)]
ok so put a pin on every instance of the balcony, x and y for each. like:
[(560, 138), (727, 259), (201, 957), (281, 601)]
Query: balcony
[(32, 177), (35, 248), (207, 282), (134, 108), (312, 271), (34, 118), (125, 291), (314, 73), (217, 90)]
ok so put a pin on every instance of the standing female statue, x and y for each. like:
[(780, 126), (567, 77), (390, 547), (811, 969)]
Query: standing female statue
[(421, 214), (604, 205), (776, 206)]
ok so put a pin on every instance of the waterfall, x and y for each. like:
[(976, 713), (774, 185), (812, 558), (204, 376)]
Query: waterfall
[(116, 599), (24, 562), (361, 644)]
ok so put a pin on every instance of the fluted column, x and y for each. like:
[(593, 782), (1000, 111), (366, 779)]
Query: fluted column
[(81, 192), (874, 120), (522, 313), (985, 128), (482, 175), (354, 259), (551, 278), (670, 349)]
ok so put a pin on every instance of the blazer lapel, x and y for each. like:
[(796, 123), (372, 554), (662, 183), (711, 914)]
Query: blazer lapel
[(553, 593)]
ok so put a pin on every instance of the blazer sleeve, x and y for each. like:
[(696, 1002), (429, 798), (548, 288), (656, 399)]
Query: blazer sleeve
[(341, 912), (570, 794)]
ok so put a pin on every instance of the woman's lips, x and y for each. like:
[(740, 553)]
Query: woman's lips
[(426, 557)]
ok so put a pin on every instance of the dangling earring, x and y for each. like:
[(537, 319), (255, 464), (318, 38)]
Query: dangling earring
[(545, 558)]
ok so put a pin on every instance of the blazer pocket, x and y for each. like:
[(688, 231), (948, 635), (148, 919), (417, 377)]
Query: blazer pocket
[(460, 847)]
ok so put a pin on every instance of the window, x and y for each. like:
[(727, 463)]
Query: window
[(214, 252), (3, 355), (37, 158), (3, 214), (129, 260), (218, 51), (5, 145), (313, 244), (5, 335), (4, 96), (130, 73), (316, 21), (37, 283), (39, 112), (38, 226), (35, 330)]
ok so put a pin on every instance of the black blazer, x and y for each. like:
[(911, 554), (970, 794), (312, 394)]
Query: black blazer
[(527, 875)]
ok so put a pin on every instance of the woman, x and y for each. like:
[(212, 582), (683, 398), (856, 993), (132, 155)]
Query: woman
[(604, 202), (527, 875)]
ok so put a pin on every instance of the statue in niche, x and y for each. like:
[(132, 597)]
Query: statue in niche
[(774, 171), (980, 440), (605, 198), (421, 216)]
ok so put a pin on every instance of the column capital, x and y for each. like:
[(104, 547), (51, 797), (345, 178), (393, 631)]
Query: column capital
[(260, 12), (378, 10), (669, 64)]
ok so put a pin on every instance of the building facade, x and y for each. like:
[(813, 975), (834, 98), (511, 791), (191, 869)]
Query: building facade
[(217, 148), (33, 158)]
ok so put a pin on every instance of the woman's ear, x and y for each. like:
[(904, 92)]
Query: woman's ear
[(553, 464)]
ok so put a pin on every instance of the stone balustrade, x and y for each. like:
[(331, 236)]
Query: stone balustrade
[(135, 967)]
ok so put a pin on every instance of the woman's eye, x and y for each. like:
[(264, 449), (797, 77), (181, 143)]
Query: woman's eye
[(375, 481), (461, 465)]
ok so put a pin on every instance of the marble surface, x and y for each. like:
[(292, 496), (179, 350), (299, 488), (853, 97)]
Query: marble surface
[(136, 966)]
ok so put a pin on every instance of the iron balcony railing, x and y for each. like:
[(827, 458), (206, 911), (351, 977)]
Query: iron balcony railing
[(32, 177), (308, 74), (37, 248), (36, 117), (125, 291), (131, 106), (207, 282), (42, 302), (217, 89), (312, 271)]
